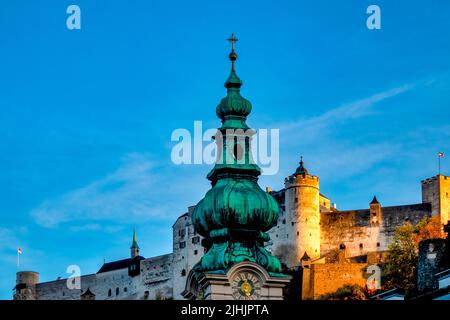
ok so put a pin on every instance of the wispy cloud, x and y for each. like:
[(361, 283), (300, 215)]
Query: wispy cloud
[(132, 193), (315, 127), (95, 227), (328, 153)]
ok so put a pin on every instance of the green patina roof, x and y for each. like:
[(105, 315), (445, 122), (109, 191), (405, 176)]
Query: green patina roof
[(233, 109), (235, 213), (134, 244)]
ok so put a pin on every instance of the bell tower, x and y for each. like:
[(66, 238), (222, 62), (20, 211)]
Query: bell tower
[(235, 214)]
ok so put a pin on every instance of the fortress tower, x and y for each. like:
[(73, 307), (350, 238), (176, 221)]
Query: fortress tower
[(303, 213), (25, 288), (436, 190)]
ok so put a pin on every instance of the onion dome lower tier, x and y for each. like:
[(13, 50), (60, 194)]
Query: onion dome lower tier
[(235, 204)]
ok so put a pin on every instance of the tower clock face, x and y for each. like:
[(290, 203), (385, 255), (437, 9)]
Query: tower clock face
[(246, 286)]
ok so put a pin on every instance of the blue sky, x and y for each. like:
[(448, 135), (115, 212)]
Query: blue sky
[(86, 115)]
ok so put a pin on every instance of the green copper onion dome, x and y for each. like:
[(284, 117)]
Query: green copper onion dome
[(236, 203), (235, 213), (233, 105)]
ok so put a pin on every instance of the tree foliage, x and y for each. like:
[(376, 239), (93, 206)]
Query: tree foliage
[(347, 292), (400, 271)]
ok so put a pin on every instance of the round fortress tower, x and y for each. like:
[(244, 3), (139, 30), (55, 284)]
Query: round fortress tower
[(29, 278), (26, 282), (303, 213)]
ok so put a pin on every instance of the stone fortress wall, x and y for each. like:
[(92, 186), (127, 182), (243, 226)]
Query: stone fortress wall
[(309, 226), (299, 231)]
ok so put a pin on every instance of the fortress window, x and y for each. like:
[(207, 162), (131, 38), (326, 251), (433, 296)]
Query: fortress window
[(117, 291), (125, 289), (284, 221), (292, 223), (342, 246), (181, 232), (195, 252), (183, 273), (109, 293), (196, 240), (182, 244), (296, 199), (361, 246), (298, 233), (378, 244)]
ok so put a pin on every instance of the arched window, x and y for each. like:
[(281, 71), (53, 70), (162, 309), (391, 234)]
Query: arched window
[(342, 246), (109, 293), (117, 291), (183, 273)]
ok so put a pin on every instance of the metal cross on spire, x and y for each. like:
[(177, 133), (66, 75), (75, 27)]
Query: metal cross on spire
[(232, 39), (232, 55)]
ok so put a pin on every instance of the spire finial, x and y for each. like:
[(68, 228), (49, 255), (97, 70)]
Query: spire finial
[(233, 55)]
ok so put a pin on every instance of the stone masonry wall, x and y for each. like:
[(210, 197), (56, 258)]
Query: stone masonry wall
[(327, 278), (355, 231)]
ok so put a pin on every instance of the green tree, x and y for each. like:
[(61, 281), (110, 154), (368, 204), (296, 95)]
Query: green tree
[(400, 271), (347, 292)]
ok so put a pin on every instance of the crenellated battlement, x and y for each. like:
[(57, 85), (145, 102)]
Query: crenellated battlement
[(301, 180)]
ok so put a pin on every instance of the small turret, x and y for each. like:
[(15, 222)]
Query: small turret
[(134, 247), (375, 212)]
